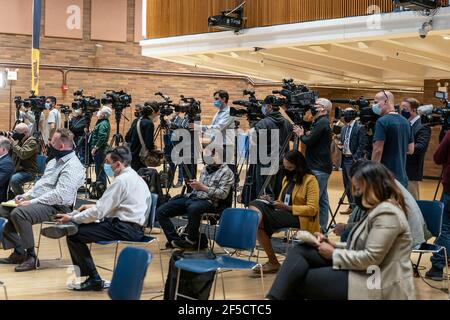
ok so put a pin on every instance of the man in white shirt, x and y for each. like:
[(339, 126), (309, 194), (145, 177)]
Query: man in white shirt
[(54, 119), (121, 212)]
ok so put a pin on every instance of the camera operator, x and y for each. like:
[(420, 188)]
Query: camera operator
[(98, 142), (222, 122), (6, 168), (422, 135), (273, 120), (174, 122), (77, 124), (353, 144), (28, 117), (318, 152), (393, 138), (24, 149), (145, 125), (54, 119)]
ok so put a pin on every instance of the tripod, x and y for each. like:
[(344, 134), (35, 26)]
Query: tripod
[(87, 155), (117, 138)]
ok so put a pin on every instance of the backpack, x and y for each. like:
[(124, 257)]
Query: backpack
[(195, 285), (153, 181)]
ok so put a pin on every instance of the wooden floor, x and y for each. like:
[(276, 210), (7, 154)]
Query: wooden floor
[(50, 281)]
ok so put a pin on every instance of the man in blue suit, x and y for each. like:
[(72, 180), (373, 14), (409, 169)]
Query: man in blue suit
[(6, 167), (354, 142)]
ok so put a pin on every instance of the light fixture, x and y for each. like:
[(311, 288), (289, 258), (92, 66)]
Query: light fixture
[(98, 50), (204, 57), (362, 45), (2, 79), (446, 37), (426, 27), (234, 55), (319, 49), (256, 50), (261, 63)]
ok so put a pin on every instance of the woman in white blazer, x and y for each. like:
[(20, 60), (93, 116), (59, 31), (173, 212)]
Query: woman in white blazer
[(373, 264)]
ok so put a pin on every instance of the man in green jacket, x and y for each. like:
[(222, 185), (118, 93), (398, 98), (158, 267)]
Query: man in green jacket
[(24, 150), (99, 142)]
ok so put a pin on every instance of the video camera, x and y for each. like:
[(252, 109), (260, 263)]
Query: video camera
[(35, 103), (432, 116), (65, 109), (190, 107), (118, 99), (365, 113), (253, 108), (89, 105), (298, 99)]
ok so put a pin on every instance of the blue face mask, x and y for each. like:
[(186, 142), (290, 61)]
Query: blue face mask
[(217, 103), (376, 109), (47, 105), (108, 170)]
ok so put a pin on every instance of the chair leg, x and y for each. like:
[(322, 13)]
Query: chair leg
[(4, 289), (60, 249), (115, 257), (215, 285), (38, 247), (223, 284), (178, 283), (160, 262), (446, 273), (262, 281)]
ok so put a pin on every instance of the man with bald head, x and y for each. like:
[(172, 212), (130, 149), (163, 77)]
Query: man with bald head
[(393, 139), (24, 149)]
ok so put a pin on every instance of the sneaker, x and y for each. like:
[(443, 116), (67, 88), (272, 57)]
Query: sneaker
[(184, 243), (58, 231), (434, 274)]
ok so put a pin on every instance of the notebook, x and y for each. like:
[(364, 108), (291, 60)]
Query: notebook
[(307, 238)]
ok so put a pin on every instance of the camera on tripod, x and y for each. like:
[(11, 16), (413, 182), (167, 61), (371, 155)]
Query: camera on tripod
[(253, 108), (118, 99), (190, 107), (432, 116), (35, 103), (365, 113), (89, 105), (298, 99), (65, 109)]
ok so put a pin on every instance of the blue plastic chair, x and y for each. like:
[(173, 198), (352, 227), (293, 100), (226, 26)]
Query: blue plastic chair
[(41, 164), (432, 212), (3, 223), (146, 240), (237, 230), (128, 277)]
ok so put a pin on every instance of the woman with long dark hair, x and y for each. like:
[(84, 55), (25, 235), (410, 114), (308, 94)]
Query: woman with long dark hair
[(296, 207), (373, 265)]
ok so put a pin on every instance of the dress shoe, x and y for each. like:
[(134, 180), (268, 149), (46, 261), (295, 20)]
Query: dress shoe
[(14, 258), (58, 231), (27, 265), (89, 285), (434, 274), (347, 212)]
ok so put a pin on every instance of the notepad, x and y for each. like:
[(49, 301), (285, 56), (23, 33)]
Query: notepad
[(10, 204), (307, 238)]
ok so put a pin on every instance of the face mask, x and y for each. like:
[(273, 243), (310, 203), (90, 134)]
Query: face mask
[(217, 103), (108, 170), (289, 173), (99, 114), (376, 109), (406, 114), (264, 110), (314, 111), (358, 200), (17, 136), (137, 114), (348, 119), (57, 154), (47, 106)]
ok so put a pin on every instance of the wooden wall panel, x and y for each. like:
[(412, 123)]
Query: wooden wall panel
[(182, 17)]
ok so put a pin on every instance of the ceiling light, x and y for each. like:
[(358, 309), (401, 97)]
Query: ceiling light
[(446, 37), (256, 50), (234, 55), (362, 45), (204, 57)]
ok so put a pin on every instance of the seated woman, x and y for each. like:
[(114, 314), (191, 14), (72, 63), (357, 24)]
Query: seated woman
[(297, 206), (375, 261)]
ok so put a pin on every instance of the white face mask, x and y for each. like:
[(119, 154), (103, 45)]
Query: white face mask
[(99, 115)]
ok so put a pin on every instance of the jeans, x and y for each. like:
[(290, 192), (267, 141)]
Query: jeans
[(99, 160), (322, 179), (347, 163), (193, 208), (438, 260), (18, 180)]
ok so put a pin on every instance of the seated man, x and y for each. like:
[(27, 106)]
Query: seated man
[(215, 184), (24, 153), (55, 192), (6, 168), (121, 211)]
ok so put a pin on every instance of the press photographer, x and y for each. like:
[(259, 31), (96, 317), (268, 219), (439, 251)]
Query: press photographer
[(255, 180), (99, 142), (393, 139), (24, 150), (31, 110), (28, 117), (318, 152), (142, 133), (422, 135)]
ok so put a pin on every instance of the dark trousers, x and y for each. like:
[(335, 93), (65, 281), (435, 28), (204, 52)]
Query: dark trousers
[(193, 208), (18, 233), (99, 160), (306, 275), (107, 230), (347, 163)]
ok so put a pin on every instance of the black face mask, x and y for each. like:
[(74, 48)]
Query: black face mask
[(57, 154), (289, 174), (137, 114), (358, 200), (314, 112), (348, 119), (211, 168), (17, 136)]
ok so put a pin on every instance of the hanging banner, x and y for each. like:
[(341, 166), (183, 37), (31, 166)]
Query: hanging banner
[(35, 56)]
